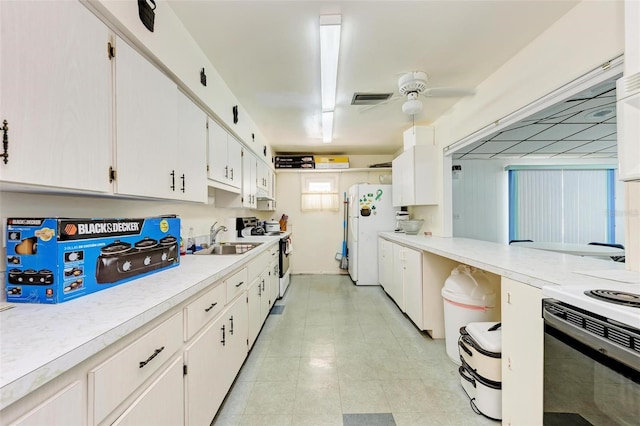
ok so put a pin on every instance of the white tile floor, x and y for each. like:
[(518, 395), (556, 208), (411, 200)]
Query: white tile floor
[(339, 349)]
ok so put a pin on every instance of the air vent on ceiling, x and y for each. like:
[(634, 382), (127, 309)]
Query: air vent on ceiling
[(360, 98)]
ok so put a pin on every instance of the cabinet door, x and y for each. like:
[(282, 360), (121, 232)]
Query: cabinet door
[(274, 285), (396, 179), (254, 293), (397, 283), (191, 151), (206, 378), (265, 302), (385, 263), (249, 170), (217, 144), (55, 95), (146, 122), (238, 322), (234, 160), (413, 286), (402, 182), (161, 403), (262, 180), (522, 353), (64, 407)]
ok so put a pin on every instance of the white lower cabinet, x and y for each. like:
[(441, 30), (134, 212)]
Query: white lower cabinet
[(63, 407), (212, 361), (259, 304), (254, 294), (396, 289), (412, 284), (522, 353), (161, 403), (206, 374), (385, 263)]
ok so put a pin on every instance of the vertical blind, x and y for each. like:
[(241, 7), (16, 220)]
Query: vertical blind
[(569, 206)]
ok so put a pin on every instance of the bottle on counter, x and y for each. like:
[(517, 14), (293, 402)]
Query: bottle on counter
[(191, 242), (183, 247)]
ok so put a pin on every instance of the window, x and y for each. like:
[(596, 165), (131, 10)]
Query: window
[(562, 205), (319, 193)]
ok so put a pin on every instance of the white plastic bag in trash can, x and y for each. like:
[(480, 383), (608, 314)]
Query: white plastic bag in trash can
[(468, 296)]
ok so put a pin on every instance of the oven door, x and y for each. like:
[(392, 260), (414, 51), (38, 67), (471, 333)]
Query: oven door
[(589, 379), (284, 257)]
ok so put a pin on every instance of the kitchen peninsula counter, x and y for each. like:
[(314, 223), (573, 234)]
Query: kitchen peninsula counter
[(39, 342), (522, 275), (537, 268)]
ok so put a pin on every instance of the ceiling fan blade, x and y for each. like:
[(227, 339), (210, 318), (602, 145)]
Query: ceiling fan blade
[(447, 92)]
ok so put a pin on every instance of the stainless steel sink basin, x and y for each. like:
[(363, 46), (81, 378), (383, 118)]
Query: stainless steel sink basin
[(229, 248)]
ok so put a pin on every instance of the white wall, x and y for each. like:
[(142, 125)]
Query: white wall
[(481, 199), (317, 236)]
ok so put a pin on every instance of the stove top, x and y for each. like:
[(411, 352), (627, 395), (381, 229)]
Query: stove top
[(614, 296), (618, 301)]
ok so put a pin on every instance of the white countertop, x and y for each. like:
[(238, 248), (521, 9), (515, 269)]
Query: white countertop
[(537, 268), (39, 342), (575, 249)]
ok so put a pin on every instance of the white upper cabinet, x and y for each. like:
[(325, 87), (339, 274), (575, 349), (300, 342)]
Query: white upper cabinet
[(55, 95), (414, 177), (146, 127), (225, 159), (263, 180), (249, 174), (191, 151)]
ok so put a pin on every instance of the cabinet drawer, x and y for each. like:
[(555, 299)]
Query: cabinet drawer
[(236, 284), (65, 408), (203, 309), (161, 404), (114, 380)]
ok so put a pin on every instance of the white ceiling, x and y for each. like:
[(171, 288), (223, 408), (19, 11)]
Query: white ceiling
[(583, 126), (268, 54)]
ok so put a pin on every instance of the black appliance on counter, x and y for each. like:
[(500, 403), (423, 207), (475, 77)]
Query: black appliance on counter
[(246, 226), (120, 260)]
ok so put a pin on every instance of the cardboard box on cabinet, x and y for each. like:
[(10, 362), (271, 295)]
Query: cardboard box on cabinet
[(53, 260)]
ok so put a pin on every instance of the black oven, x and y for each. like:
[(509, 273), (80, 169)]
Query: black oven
[(591, 368)]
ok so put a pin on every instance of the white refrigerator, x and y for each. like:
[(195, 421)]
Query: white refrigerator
[(370, 211)]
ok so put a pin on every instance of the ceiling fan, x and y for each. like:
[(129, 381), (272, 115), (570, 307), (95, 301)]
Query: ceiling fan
[(413, 85)]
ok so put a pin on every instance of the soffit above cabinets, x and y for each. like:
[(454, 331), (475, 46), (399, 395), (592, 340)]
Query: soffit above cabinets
[(583, 126)]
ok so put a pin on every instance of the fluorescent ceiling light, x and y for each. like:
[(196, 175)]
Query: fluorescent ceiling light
[(329, 52), (327, 126)]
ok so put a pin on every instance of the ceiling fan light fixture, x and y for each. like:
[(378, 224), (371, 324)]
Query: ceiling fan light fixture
[(412, 107)]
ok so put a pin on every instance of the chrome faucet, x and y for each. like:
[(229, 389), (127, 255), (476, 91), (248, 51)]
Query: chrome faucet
[(213, 232)]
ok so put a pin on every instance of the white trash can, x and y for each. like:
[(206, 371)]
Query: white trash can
[(468, 296)]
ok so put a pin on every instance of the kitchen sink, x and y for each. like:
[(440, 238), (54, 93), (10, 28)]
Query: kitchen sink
[(228, 248)]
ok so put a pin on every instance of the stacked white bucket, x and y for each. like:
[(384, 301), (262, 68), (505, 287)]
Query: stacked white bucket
[(480, 347), (470, 310)]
